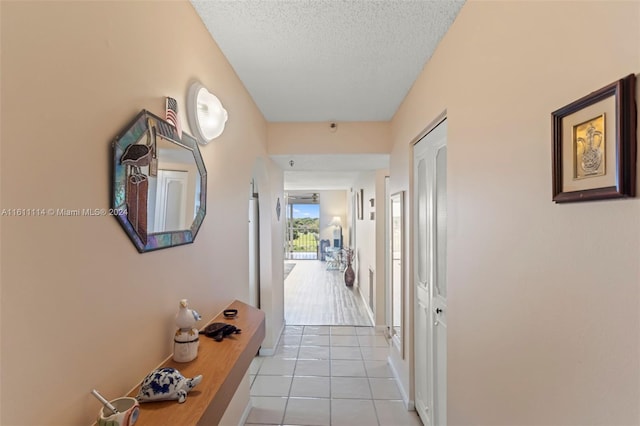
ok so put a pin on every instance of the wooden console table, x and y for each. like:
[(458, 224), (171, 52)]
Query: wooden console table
[(223, 365)]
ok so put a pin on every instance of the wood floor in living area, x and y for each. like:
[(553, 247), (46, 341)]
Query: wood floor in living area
[(314, 295)]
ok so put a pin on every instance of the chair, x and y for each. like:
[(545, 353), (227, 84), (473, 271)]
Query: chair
[(324, 244), (334, 259)]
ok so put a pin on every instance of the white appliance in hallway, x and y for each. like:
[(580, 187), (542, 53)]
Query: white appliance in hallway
[(254, 249), (430, 201)]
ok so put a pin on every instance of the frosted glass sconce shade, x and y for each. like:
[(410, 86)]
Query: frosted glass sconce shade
[(207, 117)]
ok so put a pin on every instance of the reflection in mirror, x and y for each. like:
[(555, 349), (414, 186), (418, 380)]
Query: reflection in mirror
[(397, 270), (174, 193), (159, 184)]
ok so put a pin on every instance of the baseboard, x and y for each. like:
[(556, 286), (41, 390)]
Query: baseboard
[(367, 307), (382, 329), (245, 413), (271, 351), (408, 403)]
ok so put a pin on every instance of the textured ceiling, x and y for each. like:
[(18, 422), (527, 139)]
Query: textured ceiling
[(327, 60)]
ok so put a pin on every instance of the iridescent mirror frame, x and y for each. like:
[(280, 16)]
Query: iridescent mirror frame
[(150, 124)]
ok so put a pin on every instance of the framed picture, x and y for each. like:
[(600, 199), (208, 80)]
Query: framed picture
[(359, 204), (594, 145)]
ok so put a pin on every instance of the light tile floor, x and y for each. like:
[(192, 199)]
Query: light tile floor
[(327, 375)]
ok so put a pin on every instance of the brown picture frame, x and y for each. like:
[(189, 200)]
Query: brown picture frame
[(594, 145)]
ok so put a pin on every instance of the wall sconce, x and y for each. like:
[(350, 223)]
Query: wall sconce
[(205, 113)]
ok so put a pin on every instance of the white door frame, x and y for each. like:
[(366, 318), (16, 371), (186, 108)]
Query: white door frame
[(387, 259), (168, 182), (429, 307)]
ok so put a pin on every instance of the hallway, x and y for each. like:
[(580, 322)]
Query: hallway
[(323, 375), (330, 366), (315, 296)]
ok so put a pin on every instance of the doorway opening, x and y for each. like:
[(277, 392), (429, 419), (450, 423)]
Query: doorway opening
[(302, 227), (315, 292)]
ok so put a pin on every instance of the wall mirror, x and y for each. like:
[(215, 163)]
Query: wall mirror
[(159, 191), (396, 238)]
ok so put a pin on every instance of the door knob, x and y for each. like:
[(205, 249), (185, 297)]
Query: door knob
[(438, 311)]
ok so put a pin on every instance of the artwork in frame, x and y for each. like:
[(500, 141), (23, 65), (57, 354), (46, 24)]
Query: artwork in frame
[(360, 204), (594, 145)]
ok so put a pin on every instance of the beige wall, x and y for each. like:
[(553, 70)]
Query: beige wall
[(81, 309), (270, 187), (370, 246), (544, 318), (380, 299), (365, 244)]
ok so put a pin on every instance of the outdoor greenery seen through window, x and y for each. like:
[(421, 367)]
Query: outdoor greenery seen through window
[(304, 228)]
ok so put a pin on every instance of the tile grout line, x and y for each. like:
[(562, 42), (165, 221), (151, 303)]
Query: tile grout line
[(361, 358), (293, 375), (330, 384)]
